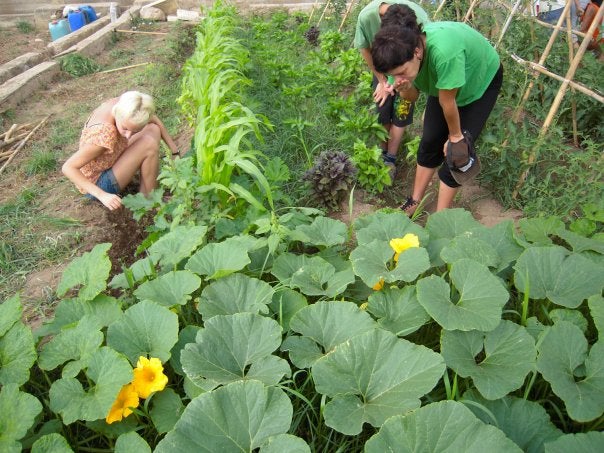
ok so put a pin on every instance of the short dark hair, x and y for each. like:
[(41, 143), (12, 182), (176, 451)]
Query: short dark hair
[(396, 41)]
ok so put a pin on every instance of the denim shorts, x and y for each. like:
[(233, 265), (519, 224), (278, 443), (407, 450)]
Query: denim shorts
[(106, 182)]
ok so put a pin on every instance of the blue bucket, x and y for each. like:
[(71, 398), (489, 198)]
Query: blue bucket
[(77, 19), (58, 29), (90, 13)]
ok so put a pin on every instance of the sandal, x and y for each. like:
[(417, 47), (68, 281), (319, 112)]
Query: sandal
[(409, 206)]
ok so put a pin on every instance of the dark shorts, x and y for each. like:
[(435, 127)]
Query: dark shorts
[(473, 118), (395, 110), (106, 182)]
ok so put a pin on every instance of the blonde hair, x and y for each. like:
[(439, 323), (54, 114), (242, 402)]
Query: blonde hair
[(134, 106)]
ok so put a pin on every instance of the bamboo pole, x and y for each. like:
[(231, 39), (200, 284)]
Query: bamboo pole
[(470, 10), (576, 85), (558, 99), (141, 32), (323, 13), (440, 7), (314, 6), (508, 21), (546, 51), (18, 148), (9, 132), (107, 71), (345, 15), (17, 129), (13, 140), (573, 102)]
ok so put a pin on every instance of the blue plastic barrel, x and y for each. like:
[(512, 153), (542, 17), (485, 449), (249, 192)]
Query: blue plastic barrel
[(58, 29), (90, 13), (77, 19)]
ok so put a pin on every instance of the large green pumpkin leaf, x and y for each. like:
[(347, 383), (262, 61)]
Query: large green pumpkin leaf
[(525, 422), (177, 245), (479, 302), (549, 272), (109, 371), (235, 347), (320, 278), (186, 335), (138, 271), (18, 411), (509, 355), (10, 313), (573, 316), (173, 288), (51, 443), (386, 226), (91, 271), (131, 442), (286, 265), (374, 376), (104, 309), (446, 426), (145, 329), (235, 293), (590, 442), (323, 231), (218, 260), (398, 310), (596, 308), (501, 238), (17, 354), (77, 343), (166, 411), (563, 350), (282, 443), (373, 262), (285, 304), (449, 223), (239, 417), (326, 324), (539, 230), (468, 246), (581, 243)]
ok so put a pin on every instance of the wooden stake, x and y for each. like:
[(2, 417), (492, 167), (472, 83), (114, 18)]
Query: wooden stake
[(18, 148), (314, 6), (470, 10), (13, 140), (18, 128), (558, 99), (323, 14), (141, 32), (122, 68), (9, 132), (345, 15), (508, 22), (573, 102), (546, 51)]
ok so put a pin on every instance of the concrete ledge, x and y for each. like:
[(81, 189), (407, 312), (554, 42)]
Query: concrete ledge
[(43, 12), (22, 86), (97, 42), (20, 64), (69, 40)]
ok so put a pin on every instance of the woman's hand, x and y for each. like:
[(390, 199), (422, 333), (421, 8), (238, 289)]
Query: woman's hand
[(110, 201), (382, 91)]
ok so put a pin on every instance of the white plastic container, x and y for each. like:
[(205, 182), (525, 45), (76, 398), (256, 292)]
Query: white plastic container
[(113, 12)]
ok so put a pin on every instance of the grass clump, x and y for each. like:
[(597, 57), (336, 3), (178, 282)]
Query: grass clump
[(78, 65), (41, 162), (25, 27)]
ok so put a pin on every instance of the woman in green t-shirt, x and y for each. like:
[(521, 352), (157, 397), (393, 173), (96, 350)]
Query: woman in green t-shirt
[(460, 72)]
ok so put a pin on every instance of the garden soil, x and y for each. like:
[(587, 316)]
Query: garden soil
[(72, 99)]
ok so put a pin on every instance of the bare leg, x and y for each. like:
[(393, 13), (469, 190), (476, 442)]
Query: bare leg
[(384, 144), (423, 176), (445, 196), (142, 153), (395, 137)]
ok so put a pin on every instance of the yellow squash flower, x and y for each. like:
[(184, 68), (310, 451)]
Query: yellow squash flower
[(379, 285), (149, 376), (126, 400), (399, 245)]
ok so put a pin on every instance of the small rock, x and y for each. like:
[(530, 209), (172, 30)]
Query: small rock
[(38, 40), (151, 13)]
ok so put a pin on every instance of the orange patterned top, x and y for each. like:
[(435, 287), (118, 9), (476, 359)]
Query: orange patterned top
[(107, 136)]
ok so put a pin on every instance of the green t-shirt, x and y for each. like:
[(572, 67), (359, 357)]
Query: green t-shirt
[(369, 21), (457, 56)]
